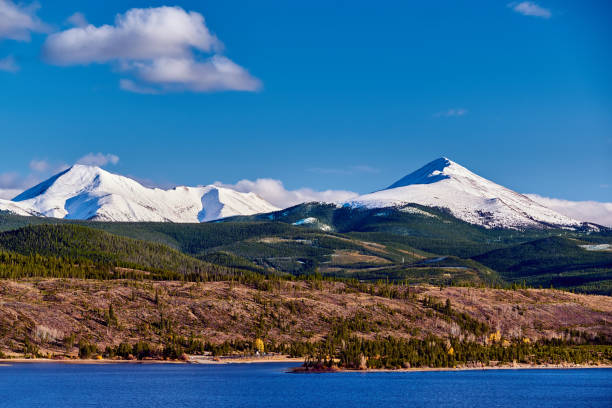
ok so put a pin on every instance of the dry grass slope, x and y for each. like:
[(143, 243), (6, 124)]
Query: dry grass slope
[(49, 311)]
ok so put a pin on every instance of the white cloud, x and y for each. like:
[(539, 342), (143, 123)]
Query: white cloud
[(275, 193), (8, 193), (78, 20), (528, 8), (12, 183), (453, 112), (131, 86), (39, 165), (18, 21), (217, 73), (164, 47), (591, 211), (8, 64), (139, 34), (9, 179), (98, 159)]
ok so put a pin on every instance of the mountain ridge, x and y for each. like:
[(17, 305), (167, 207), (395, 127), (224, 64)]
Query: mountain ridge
[(445, 184), (91, 193)]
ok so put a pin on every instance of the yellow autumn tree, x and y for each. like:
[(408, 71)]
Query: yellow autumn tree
[(259, 345), (495, 337)]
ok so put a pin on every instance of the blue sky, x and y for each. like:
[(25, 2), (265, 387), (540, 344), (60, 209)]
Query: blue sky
[(346, 95)]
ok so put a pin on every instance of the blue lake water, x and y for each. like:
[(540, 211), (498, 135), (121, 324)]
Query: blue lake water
[(52, 385)]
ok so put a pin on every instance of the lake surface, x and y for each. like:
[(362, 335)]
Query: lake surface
[(51, 385)]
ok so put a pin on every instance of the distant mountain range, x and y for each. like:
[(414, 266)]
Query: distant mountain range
[(91, 193)]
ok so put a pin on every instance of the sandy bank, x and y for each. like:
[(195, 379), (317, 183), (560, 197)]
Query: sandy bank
[(427, 369), (286, 359), (191, 360)]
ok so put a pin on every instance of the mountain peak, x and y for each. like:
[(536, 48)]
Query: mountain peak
[(90, 192), (432, 172), (77, 177), (85, 167), (445, 184), (40, 188)]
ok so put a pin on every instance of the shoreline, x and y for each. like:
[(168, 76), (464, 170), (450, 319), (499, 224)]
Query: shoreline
[(244, 360), (207, 360), (485, 368), (204, 360), (562, 366)]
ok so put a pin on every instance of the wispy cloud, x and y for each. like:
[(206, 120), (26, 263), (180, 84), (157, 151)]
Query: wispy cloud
[(528, 8), (78, 20), (350, 170), (18, 21), (39, 165), (131, 86), (8, 64), (10, 180), (162, 49), (329, 170), (275, 192), (591, 211), (452, 112), (98, 159), (12, 183)]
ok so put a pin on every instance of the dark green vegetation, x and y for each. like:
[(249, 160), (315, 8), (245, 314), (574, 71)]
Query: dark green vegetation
[(342, 348), (554, 261), (433, 230), (537, 258), (77, 251), (353, 352), (413, 244)]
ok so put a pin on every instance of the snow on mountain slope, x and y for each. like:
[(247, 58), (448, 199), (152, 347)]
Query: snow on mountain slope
[(444, 183), (90, 193), (16, 208)]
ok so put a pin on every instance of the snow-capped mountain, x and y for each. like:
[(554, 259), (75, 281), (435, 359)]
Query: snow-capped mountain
[(91, 193), (469, 197)]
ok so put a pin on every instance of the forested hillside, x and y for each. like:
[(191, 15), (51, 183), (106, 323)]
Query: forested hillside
[(555, 261), (66, 250), (412, 244)]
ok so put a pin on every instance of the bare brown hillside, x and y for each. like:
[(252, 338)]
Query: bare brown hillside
[(53, 313)]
